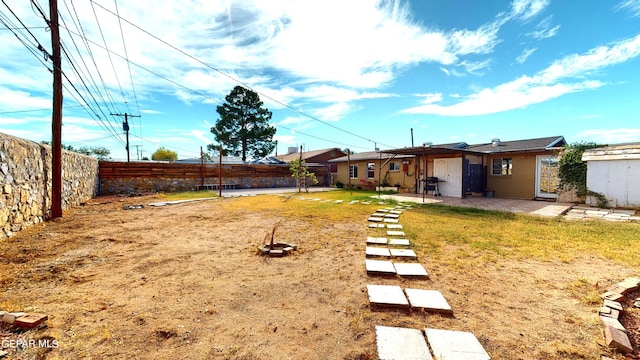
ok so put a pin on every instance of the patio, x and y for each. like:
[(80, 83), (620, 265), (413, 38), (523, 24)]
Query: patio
[(532, 207)]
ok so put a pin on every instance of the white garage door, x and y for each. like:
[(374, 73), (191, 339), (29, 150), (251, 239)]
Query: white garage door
[(449, 171)]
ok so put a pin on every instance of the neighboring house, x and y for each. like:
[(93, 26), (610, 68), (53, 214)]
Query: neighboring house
[(313, 157), (613, 171), (363, 170), (525, 169)]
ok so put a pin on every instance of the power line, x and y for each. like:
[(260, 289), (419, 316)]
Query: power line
[(238, 81)]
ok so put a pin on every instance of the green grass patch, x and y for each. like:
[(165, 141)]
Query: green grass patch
[(188, 195)]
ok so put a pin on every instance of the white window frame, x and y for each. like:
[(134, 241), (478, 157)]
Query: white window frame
[(353, 171), (371, 170), (505, 166), (394, 166)]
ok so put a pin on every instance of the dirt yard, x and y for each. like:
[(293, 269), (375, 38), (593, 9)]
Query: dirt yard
[(186, 282)]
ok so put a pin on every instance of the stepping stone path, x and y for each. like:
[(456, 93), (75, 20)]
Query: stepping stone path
[(405, 343)]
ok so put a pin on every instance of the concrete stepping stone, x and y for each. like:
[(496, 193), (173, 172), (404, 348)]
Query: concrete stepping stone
[(429, 300), (395, 233), (410, 269), (386, 295), (396, 343), (393, 221), (377, 214), (394, 226), (398, 212), (455, 345), (382, 210), (403, 253), (381, 267), (366, 203), (399, 242), (393, 216), (375, 219), (377, 240), (353, 202), (376, 225), (377, 251), (339, 201)]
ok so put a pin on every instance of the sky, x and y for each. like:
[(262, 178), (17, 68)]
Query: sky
[(354, 74)]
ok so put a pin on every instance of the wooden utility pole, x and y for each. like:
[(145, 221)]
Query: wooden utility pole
[(56, 116), (125, 127), (349, 167), (220, 173), (201, 169)]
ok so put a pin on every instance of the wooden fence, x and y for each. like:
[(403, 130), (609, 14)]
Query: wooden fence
[(123, 177)]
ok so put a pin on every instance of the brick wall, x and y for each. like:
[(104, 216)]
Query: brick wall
[(25, 182)]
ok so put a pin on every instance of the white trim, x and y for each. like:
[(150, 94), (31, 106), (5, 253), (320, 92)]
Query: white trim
[(539, 193)]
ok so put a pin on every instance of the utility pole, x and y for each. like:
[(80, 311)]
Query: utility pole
[(138, 152), (125, 127), (56, 116)]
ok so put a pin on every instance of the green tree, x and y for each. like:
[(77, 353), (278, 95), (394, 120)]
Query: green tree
[(243, 127), (572, 170), (300, 171), (100, 152), (163, 154)]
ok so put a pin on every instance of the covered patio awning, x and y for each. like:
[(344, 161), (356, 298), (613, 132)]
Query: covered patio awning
[(432, 150)]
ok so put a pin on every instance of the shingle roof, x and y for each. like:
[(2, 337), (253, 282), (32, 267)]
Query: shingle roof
[(520, 145), (305, 154), (369, 155)]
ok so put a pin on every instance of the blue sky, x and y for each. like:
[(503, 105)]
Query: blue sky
[(335, 73)]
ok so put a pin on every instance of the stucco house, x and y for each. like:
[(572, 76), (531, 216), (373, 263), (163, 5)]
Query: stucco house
[(368, 169), (613, 171), (525, 169)]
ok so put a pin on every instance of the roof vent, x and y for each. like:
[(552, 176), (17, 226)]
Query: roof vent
[(495, 142)]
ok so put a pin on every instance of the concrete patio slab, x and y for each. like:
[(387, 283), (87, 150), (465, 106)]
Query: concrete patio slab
[(375, 219), (394, 226), (376, 240), (403, 253), (391, 221), (393, 216), (377, 251), (410, 269), (378, 214), (398, 212), (429, 300), (387, 295), (376, 225), (399, 242), (395, 233), (382, 210), (455, 345), (380, 267), (401, 344)]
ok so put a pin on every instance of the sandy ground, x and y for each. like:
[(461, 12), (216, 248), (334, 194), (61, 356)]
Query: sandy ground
[(186, 282)]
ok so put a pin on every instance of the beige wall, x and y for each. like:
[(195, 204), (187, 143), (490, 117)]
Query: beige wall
[(406, 180), (522, 182)]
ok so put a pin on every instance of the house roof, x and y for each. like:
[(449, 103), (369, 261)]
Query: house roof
[(538, 144), (628, 151), (527, 145), (369, 155), (226, 160), (269, 160), (305, 154)]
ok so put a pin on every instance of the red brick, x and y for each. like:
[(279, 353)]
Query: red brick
[(617, 339), (30, 320)]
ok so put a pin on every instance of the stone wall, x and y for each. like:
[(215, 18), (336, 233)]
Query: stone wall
[(25, 182)]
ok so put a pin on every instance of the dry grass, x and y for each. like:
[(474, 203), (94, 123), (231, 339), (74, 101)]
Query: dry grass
[(186, 282)]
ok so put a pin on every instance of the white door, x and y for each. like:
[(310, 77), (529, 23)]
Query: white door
[(449, 173), (547, 176)]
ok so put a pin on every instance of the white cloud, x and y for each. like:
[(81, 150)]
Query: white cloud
[(552, 82), (632, 5), (526, 9), (525, 55), (430, 98), (202, 136), (545, 29), (611, 136), (150, 112), (334, 112), (285, 139)]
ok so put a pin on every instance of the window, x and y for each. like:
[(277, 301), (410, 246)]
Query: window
[(353, 171), (371, 170), (501, 166), (394, 166)]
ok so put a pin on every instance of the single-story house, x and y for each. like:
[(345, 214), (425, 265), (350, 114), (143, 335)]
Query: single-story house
[(321, 157), (368, 169), (613, 171), (525, 169)]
